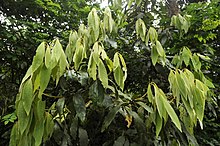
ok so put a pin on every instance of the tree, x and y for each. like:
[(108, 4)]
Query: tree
[(95, 104)]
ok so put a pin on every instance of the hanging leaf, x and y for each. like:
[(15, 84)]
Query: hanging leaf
[(141, 29), (146, 107), (92, 67), (27, 96), (93, 22), (152, 33), (160, 49), (38, 58), (103, 76), (47, 57), (83, 137), (44, 78), (80, 106), (159, 123), (78, 56), (170, 111), (23, 119), (118, 76), (154, 55), (120, 141), (109, 118), (38, 132), (149, 93)]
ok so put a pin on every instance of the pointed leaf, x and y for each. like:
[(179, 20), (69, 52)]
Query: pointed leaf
[(38, 58), (103, 76), (27, 96)]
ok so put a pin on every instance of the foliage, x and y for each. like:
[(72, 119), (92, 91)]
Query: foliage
[(123, 80)]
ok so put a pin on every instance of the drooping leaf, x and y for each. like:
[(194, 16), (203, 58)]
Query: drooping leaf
[(149, 93), (44, 78), (159, 123), (103, 76), (38, 58), (119, 141), (38, 132), (23, 119), (109, 118), (141, 29), (78, 56), (160, 49), (154, 55), (118, 76), (27, 96), (80, 107), (83, 137), (171, 112), (146, 107)]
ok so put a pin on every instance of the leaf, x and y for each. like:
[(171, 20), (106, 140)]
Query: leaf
[(44, 78), (159, 123), (159, 49), (38, 132), (78, 56), (146, 107), (74, 128), (186, 54), (93, 22), (92, 67), (181, 85), (23, 119), (80, 107), (154, 55), (56, 50), (27, 96), (38, 58), (138, 2), (199, 104), (47, 57), (171, 112), (141, 29), (14, 135), (83, 137), (103, 76), (96, 92), (109, 118), (196, 63), (152, 33), (118, 76), (60, 105), (120, 141), (149, 93), (49, 126), (159, 102)]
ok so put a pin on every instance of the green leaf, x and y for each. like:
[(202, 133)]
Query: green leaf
[(181, 84), (109, 118), (103, 76), (38, 131), (83, 137), (186, 54), (141, 29), (96, 92), (80, 106), (14, 135), (44, 78), (160, 49), (152, 33), (138, 2), (78, 56), (93, 22), (120, 141), (27, 96), (154, 55), (146, 107), (118, 76), (159, 123), (56, 50), (171, 112), (159, 102), (47, 57), (23, 119), (92, 67), (49, 126), (196, 63), (199, 104), (38, 58), (149, 93)]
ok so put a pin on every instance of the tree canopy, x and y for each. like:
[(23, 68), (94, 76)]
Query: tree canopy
[(134, 73)]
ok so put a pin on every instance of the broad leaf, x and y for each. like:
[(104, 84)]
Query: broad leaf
[(103, 76), (27, 96)]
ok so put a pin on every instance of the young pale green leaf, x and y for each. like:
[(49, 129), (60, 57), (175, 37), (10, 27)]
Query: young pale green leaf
[(159, 123), (116, 62), (56, 50), (181, 84), (196, 63), (170, 111), (44, 78), (146, 107), (96, 53), (159, 102), (201, 86), (152, 33), (108, 21), (47, 57), (110, 117), (63, 64), (103, 76), (154, 55), (141, 29), (78, 56), (149, 93), (160, 49), (27, 96), (92, 67), (186, 55), (38, 58), (118, 76), (199, 103), (93, 22)]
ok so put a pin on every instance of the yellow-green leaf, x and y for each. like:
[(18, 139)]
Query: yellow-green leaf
[(27, 96), (103, 76), (38, 58)]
